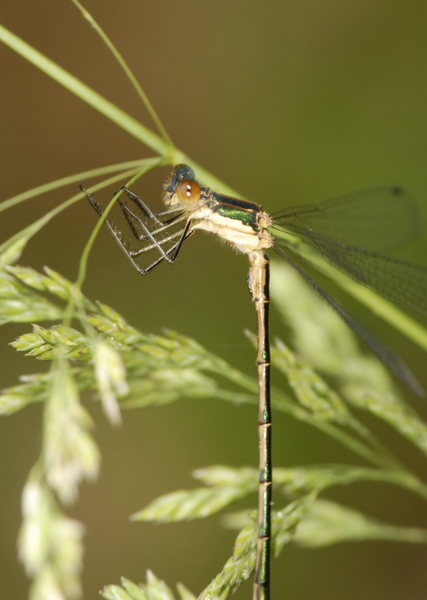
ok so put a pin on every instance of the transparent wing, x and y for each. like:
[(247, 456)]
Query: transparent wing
[(382, 219), (379, 220), (387, 356)]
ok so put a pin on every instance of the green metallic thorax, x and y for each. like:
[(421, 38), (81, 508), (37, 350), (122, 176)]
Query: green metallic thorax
[(234, 208)]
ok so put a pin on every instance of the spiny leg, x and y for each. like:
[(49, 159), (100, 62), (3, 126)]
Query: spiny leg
[(148, 234), (170, 255), (174, 251), (118, 235)]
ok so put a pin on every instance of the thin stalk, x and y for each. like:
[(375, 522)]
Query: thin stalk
[(84, 92), (37, 225), (129, 74), (71, 179), (106, 108)]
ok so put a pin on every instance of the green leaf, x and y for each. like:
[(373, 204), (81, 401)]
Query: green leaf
[(186, 505), (114, 592), (300, 480), (154, 589), (11, 252), (40, 282), (84, 92), (184, 593), (51, 282), (391, 409), (328, 523), (33, 389), (319, 336), (226, 485), (69, 451), (50, 544), (20, 304), (242, 563), (108, 109), (239, 566), (164, 386), (56, 342), (11, 249), (286, 522), (110, 375), (135, 165), (311, 390), (222, 475)]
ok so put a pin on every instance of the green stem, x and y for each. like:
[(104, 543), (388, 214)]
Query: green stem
[(130, 76), (71, 179), (401, 478), (84, 92), (108, 109)]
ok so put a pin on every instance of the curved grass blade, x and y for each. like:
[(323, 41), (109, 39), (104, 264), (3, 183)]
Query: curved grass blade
[(129, 74), (380, 220)]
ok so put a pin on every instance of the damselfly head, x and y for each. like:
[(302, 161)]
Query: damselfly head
[(179, 173), (182, 187)]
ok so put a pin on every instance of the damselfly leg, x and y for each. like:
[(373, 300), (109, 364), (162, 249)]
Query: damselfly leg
[(160, 234)]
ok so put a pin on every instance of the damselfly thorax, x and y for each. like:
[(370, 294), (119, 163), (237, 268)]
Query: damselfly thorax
[(241, 223)]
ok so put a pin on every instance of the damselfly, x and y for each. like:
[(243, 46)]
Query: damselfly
[(379, 220)]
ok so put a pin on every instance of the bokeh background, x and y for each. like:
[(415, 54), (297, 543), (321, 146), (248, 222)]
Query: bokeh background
[(288, 102)]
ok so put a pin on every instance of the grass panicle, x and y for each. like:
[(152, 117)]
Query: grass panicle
[(154, 589), (128, 369)]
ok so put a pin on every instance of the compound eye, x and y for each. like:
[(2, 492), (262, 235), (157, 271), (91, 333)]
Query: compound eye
[(188, 192), (183, 172)]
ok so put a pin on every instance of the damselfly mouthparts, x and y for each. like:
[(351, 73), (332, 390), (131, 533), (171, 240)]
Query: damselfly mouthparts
[(350, 233)]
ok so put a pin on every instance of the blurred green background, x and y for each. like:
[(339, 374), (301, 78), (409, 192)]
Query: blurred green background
[(288, 102)]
